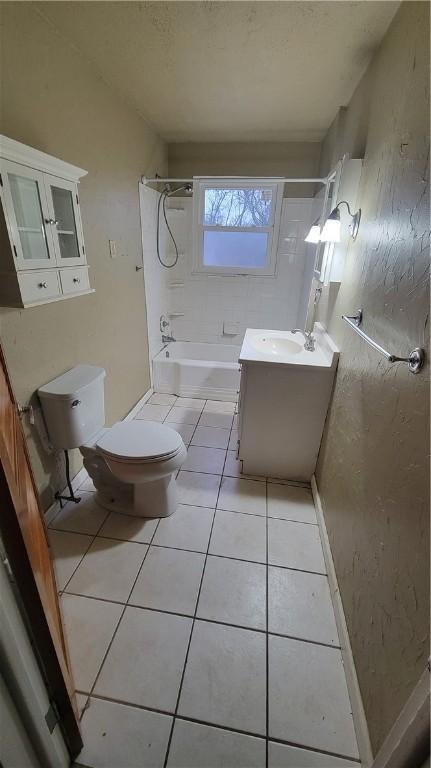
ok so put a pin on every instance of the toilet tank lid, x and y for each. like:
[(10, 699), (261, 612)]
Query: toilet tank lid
[(69, 384)]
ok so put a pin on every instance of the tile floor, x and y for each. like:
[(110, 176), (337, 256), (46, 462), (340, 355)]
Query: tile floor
[(207, 639)]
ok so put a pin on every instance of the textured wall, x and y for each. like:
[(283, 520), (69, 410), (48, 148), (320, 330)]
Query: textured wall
[(373, 466), (54, 101)]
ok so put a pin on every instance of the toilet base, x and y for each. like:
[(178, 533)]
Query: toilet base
[(155, 499)]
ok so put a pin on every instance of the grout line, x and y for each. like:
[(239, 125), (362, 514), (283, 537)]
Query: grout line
[(267, 627), (219, 727), (204, 619), (88, 548), (192, 627), (121, 617)]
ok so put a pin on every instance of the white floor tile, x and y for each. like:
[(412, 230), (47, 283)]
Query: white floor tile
[(211, 437), (300, 605), (209, 460), (290, 502), (239, 536), (169, 581), (295, 545), (129, 528), (183, 416), (116, 735), (238, 495), (233, 440), (232, 468), (211, 419), (185, 430), (308, 699), (146, 659), (67, 550), (284, 756), (220, 406), (224, 681), (198, 489), (200, 746), (188, 528), (233, 592), (161, 399), (191, 402), (108, 570), (90, 625), (85, 517), (153, 412)]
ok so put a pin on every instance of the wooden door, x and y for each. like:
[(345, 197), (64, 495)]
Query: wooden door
[(25, 541)]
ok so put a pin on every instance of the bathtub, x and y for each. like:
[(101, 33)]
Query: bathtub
[(192, 369)]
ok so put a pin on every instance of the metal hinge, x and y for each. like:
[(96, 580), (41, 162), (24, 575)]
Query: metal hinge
[(1, 180), (52, 717), (15, 251), (83, 249), (77, 200)]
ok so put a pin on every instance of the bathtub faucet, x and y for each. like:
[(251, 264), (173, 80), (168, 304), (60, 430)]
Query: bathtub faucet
[(164, 323)]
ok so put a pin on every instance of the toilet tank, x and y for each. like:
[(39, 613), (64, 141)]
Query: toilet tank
[(73, 406)]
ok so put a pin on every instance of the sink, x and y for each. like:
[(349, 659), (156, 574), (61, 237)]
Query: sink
[(284, 348), (276, 346)]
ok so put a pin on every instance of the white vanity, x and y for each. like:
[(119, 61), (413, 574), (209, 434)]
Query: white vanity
[(285, 392)]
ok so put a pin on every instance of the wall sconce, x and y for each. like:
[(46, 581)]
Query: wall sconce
[(331, 231), (314, 233)]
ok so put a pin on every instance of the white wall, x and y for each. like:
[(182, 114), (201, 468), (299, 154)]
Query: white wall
[(199, 304)]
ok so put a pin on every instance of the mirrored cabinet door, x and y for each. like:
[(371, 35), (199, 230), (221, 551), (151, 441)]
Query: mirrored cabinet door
[(28, 216), (67, 231)]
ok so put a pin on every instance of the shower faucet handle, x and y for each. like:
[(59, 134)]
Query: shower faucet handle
[(164, 323)]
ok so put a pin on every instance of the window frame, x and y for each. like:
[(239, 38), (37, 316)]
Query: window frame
[(199, 227)]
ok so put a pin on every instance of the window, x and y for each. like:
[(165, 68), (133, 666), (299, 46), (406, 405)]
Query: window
[(236, 226)]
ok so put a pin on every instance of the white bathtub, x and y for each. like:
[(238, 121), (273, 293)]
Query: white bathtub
[(192, 369)]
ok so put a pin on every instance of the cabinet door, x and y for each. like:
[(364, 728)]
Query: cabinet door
[(63, 205), (27, 216)]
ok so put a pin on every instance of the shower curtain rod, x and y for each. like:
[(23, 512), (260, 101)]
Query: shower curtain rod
[(283, 179)]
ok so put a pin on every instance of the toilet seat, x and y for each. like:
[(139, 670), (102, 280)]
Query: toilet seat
[(140, 442)]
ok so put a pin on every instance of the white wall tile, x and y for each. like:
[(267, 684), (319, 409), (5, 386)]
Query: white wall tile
[(208, 300)]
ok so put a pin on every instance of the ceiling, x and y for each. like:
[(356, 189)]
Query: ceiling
[(229, 71)]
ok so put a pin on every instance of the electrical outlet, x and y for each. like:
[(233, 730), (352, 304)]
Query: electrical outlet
[(112, 249)]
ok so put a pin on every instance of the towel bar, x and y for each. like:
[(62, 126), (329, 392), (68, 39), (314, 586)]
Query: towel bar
[(415, 359)]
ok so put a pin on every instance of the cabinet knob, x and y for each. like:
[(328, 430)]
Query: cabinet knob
[(76, 280), (43, 285)]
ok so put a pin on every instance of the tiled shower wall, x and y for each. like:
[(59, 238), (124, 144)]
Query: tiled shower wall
[(198, 305)]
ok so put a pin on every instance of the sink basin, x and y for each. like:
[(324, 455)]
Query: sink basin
[(276, 346)]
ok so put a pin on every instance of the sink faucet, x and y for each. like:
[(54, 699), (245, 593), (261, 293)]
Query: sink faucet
[(309, 339)]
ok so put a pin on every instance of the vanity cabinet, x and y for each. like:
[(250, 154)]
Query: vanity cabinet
[(42, 256), (282, 409)]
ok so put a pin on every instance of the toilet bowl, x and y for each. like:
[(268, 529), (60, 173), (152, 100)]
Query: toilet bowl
[(145, 455), (132, 464)]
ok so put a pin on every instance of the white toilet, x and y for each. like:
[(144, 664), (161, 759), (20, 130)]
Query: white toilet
[(132, 464)]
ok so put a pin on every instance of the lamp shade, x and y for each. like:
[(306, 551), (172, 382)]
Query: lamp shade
[(331, 232), (314, 234)]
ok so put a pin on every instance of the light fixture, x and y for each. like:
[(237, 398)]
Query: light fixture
[(314, 233), (331, 232)]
